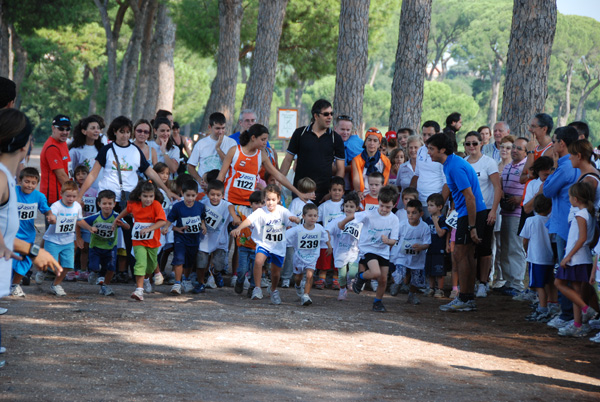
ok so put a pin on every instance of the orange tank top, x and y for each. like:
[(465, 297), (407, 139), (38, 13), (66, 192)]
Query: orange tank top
[(242, 176), (537, 152)]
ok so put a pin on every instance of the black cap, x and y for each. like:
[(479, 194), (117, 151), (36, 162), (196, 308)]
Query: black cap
[(61, 120)]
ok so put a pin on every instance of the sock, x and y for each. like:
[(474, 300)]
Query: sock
[(376, 300), (584, 310), (454, 287), (465, 297), (577, 324), (178, 282), (361, 276), (142, 289)]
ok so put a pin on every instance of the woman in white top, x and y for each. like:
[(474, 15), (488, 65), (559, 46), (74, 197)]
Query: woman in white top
[(142, 131), (489, 182), (581, 158), (167, 152), (406, 171), (86, 144)]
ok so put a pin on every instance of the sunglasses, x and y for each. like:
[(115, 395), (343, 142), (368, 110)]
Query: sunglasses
[(62, 128), (140, 131), (374, 131), (471, 144), (344, 117), (327, 114)]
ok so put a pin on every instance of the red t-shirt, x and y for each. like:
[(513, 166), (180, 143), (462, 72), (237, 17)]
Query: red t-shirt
[(55, 155), (369, 199), (143, 216)]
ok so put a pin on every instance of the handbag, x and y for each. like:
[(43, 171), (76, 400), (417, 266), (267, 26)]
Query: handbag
[(124, 194)]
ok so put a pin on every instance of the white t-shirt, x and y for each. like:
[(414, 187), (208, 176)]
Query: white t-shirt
[(85, 155), (131, 159), (204, 155), (9, 227), (344, 242), (485, 167), (407, 236), (166, 206), (402, 220), (173, 152), (329, 211), (63, 232), (431, 175), (268, 229), (306, 244), (539, 250), (375, 226), (405, 175), (531, 190), (296, 210), (216, 221), (584, 254)]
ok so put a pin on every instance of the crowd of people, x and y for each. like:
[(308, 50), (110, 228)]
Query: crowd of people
[(393, 212)]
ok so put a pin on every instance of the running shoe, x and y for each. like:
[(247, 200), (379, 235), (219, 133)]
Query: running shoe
[(481, 291), (147, 286), (358, 284), (378, 307), (456, 305), (572, 330), (343, 294), (58, 290), (335, 285), (257, 293), (588, 315), (319, 284), (159, 279), (210, 282), (299, 291), (200, 288), (15, 290), (238, 287), (187, 286), (394, 289), (413, 299), (305, 300), (233, 281), (285, 283), (265, 282), (40, 276), (558, 322), (106, 290), (91, 279), (438, 294), (176, 289), (275, 298), (138, 295)]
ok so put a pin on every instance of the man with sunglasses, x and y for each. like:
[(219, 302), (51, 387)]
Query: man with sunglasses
[(55, 160), (317, 147), (353, 145)]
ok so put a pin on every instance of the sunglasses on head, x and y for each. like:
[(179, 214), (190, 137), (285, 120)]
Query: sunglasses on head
[(374, 131), (326, 114), (344, 117), (63, 128)]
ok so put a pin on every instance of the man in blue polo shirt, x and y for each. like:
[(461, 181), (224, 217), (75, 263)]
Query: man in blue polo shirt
[(472, 215)]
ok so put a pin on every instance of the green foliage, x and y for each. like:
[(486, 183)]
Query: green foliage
[(29, 15), (439, 100), (192, 85)]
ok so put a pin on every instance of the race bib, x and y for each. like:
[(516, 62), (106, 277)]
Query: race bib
[(246, 181), (407, 248), (89, 205), (104, 230), (309, 241), (70, 168), (273, 233), (193, 223), (213, 219), (136, 232), (27, 211), (452, 219), (353, 229), (65, 224)]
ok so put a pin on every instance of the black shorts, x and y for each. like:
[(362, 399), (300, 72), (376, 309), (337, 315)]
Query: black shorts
[(370, 256), (462, 233), (434, 265)]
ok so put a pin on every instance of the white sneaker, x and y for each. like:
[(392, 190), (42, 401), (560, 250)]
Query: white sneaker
[(275, 298), (374, 285), (481, 291), (265, 283), (138, 295), (596, 338), (572, 330), (285, 283), (233, 281), (147, 286), (558, 323), (15, 290), (58, 290), (588, 315), (343, 294), (2, 350), (92, 276), (210, 282), (100, 280), (246, 283), (187, 286), (39, 278), (106, 290), (176, 289), (306, 300), (159, 279), (257, 293), (299, 291)]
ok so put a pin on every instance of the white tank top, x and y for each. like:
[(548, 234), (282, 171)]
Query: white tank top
[(9, 226)]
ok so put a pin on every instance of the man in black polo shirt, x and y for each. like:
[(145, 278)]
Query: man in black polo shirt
[(317, 147)]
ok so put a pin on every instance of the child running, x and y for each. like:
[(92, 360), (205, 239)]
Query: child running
[(306, 240), (166, 234), (145, 206), (30, 201), (268, 233), (379, 233), (89, 208), (576, 267), (344, 241)]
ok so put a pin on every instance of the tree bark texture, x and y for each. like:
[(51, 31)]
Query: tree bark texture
[(147, 67), (528, 61), (259, 88), (165, 32), (411, 63), (222, 89), (495, 79), (352, 59), (21, 58), (4, 43)]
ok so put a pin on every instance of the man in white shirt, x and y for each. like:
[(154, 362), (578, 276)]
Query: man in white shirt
[(209, 152)]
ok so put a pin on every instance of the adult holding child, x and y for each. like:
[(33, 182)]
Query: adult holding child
[(370, 160)]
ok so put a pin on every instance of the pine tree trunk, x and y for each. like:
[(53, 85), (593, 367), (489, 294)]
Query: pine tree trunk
[(495, 79), (146, 68), (411, 62), (165, 30), (4, 43), (352, 59), (528, 61), (259, 88), (93, 105), (222, 89)]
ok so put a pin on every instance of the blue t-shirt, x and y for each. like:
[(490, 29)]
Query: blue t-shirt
[(460, 175), (353, 147), (438, 244), (192, 217), (28, 206), (236, 137)]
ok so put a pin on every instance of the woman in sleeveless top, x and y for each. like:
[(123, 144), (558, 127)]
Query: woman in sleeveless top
[(581, 158), (142, 130)]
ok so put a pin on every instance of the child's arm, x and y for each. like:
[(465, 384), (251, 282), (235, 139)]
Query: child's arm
[(177, 229), (342, 224), (50, 217), (122, 215), (83, 224), (329, 247), (582, 225), (525, 244), (78, 238), (420, 247), (447, 244), (436, 222), (152, 228), (295, 219), (236, 232), (123, 224), (203, 225), (234, 215), (387, 240)]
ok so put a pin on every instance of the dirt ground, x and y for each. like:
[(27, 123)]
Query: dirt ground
[(220, 347)]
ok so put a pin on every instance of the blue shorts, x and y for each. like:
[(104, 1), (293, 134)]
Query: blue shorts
[(86, 236), (184, 255), (434, 265), (23, 266), (540, 275), (274, 259), (101, 256), (63, 253)]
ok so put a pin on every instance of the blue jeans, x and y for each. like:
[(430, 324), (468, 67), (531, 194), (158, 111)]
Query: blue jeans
[(566, 306), (245, 264)]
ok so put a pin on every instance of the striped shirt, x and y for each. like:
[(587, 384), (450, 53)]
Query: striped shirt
[(511, 184)]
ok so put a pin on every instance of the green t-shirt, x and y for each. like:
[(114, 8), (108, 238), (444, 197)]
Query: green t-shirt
[(105, 238)]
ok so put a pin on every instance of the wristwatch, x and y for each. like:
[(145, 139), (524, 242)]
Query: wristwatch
[(34, 251), (469, 228), (530, 152)]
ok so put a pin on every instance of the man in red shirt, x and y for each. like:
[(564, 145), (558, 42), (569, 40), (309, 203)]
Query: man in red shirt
[(55, 160)]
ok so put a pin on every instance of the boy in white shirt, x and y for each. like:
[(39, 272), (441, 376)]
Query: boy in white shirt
[(379, 233), (306, 240), (413, 239), (329, 211), (399, 278), (540, 260)]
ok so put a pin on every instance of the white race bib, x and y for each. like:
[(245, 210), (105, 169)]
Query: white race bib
[(193, 223), (452, 219), (89, 206), (213, 219), (246, 181), (407, 248), (309, 241), (136, 232), (104, 230), (353, 229), (70, 168), (27, 211), (65, 224), (273, 234)]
